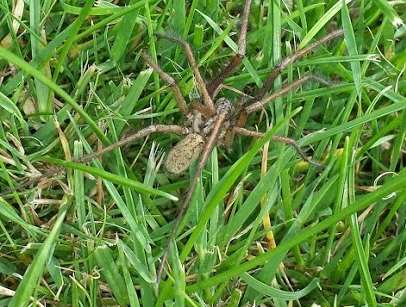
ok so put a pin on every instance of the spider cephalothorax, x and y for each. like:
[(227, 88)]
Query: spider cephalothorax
[(202, 120)]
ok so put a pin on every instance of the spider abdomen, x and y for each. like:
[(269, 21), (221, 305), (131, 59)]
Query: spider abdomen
[(184, 153)]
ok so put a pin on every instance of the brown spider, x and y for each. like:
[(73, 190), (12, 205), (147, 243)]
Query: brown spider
[(214, 121)]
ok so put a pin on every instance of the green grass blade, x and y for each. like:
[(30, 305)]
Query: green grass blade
[(85, 11), (348, 198), (277, 293), (12, 58), (9, 213), (351, 46), (132, 99), (389, 12), (35, 271), (110, 272), (321, 23), (41, 90), (132, 258), (124, 31), (394, 268), (10, 107), (132, 294), (361, 203), (230, 43), (100, 11), (137, 186), (354, 123)]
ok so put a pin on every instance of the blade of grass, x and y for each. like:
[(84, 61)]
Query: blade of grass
[(124, 31), (277, 293), (59, 39), (85, 11), (233, 47), (137, 186), (12, 58), (361, 203), (35, 271), (250, 204), (9, 213), (131, 292), (321, 23), (132, 259), (349, 38), (99, 11), (110, 272), (131, 100), (41, 90), (389, 12), (9, 106), (276, 28), (179, 17), (394, 268), (348, 199), (398, 106)]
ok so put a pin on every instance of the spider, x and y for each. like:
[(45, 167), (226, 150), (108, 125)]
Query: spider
[(214, 121)]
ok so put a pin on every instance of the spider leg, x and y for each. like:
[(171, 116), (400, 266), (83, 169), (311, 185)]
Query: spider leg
[(280, 139), (259, 104), (202, 162), (236, 59), (201, 85), (138, 135), (291, 59), (171, 82)]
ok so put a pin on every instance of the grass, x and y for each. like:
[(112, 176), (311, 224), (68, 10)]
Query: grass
[(263, 227)]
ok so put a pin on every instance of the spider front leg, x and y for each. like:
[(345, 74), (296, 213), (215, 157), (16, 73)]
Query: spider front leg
[(300, 53), (171, 82), (138, 135), (280, 139), (244, 110), (201, 85), (259, 104), (236, 59)]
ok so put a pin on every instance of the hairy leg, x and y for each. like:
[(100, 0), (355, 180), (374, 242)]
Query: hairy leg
[(171, 82), (201, 85), (235, 60), (300, 53), (138, 135), (280, 139), (259, 104)]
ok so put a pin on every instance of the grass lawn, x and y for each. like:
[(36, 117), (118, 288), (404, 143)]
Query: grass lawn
[(264, 227)]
